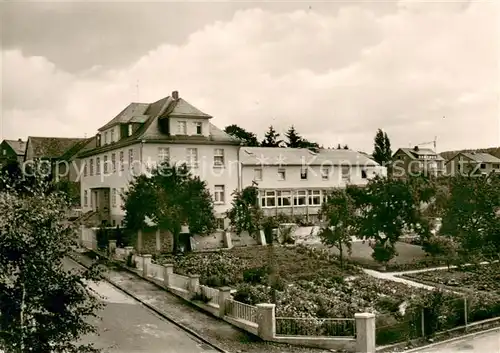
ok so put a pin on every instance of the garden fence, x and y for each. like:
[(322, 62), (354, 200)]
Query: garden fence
[(241, 311), (211, 293), (328, 327), (155, 271), (178, 281)]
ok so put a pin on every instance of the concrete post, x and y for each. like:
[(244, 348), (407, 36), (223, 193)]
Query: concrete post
[(261, 236), (194, 284), (146, 263), (168, 269), (81, 240), (365, 332), (129, 250), (228, 241), (266, 319), (158, 240), (112, 249), (224, 294)]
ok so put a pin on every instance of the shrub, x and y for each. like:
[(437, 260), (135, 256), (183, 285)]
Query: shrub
[(102, 238), (256, 275), (201, 297), (130, 261)]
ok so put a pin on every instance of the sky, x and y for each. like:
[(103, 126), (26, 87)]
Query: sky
[(336, 70)]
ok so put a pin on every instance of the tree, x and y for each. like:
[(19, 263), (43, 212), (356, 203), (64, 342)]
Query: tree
[(172, 198), (245, 214), (248, 138), (389, 208), (339, 215), (294, 140), (471, 217), (43, 306), (439, 246), (271, 138), (382, 153)]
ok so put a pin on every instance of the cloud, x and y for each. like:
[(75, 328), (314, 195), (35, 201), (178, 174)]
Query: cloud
[(337, 77)]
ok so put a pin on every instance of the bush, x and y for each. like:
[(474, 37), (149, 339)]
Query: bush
[(256, 275), (130, 261), (102, 238), (201, 297)]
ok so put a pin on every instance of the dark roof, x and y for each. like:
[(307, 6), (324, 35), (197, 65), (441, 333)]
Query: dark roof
[(19, 146), (52, 147), (77, 147), (131, 112), (481, 157), (414, 154), (150, 131)]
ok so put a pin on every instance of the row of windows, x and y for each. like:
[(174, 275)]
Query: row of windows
[(325, 173), (182, 127), (288, 198), (163, 156)]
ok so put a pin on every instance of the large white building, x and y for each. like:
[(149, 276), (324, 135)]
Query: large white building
[(291, 181)]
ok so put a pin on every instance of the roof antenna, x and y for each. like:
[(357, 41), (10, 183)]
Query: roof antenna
[(137, 90)]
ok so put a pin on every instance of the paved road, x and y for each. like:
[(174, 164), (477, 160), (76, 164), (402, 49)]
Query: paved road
[(126, 326), (485, 343)]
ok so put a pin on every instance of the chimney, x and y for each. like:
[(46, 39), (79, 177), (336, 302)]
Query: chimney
[(175, 95), (415, 148)]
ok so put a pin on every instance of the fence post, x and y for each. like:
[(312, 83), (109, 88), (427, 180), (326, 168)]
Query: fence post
[(194, 284), (266, 319), (466, 311), (224, 294), (228, 241), (146, 263), (422, 321), (365, 332), (168, 269), (112, 249), (139, 241), (128, 250)]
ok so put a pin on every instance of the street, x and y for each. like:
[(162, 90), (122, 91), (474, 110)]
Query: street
[(485, 343), (126, 326)]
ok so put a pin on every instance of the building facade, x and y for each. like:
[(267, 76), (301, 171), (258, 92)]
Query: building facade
[(296, 181), (413, 161), (144, 135), (474, 163), (12, 150)]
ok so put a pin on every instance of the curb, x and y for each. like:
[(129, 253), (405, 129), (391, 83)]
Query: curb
[(451, 340), (157, 311)]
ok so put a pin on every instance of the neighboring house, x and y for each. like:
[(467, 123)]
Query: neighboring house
[(296, 181), (52, 150), (417, 161), (12, 150), (145, 134), (474, 163)]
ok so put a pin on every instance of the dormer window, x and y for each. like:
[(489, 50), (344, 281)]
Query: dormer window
[(106, 138), (112, 135), (129, 129), (198, 128), (182, 128), (98, 142)]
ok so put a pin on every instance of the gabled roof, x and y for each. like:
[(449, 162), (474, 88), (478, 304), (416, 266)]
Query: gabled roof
[(19, 146), (481, 157), (414, 154), (77, 147), (302, 156), (181, 108), (51, 147)]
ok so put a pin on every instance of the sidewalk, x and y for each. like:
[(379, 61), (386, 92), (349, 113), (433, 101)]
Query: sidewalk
[(218, 332)]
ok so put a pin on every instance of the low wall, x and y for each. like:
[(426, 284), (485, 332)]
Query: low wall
[(259, 320)]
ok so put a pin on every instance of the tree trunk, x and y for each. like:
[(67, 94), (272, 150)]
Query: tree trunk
[(341, 256), (272, 272), (175, 238)]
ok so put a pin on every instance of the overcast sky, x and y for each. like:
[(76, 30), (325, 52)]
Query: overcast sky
[(337, 70)]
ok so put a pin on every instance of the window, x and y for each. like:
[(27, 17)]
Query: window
[(257, 174), (97, 166), (325, 194), (219, 223), (181, 128), (325, 173), (192, 157), (4, 152), (483, 166), (199, 128), (281, 174), (112, 135), (105, 164), (300, 198), (303, 173), (113, 198), (85, 168), (130, 157), (496, 166), (91, 167), (130, 130), (163, 154), (106, 138), (363, 174), (269, 199), (113, 162), (284, 198), (121, 160), (219, 196), (346, 173), (218, 157), (314, 197), (85, 198)]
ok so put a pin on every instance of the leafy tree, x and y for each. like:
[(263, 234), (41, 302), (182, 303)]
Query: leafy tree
[(441, 247), (170, 197), (271, 138), (248, 138), (382, 152), (471, 215), (245, 214), (43, 306), (339, 215)]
